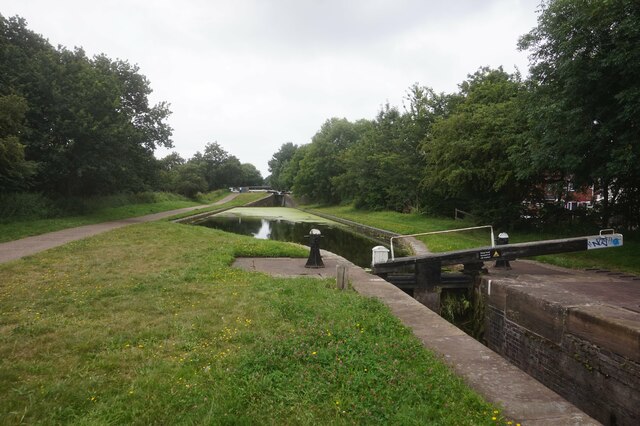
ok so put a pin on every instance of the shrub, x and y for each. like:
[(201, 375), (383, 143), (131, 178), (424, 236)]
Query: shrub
[(26, 205)]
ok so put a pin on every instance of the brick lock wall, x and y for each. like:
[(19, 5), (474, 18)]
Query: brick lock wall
[(601, 382)]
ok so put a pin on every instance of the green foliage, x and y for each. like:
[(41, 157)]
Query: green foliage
[(250, 175), (26, 214), (15, 171), (322, 160), (189, 180), (277, 165), (88, 124), (585, 99), (215, 169), (497, 144), (467, 153), (379, 169), (290, 170), (26, 205)]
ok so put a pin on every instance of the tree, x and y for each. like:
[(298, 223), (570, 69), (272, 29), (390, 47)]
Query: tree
[(89, 124), (290, 170), (251, 176), (467, 153), (382, 169), (321, 161), (230, 173), (171, 162), (168, 171), (278, 163), (15, 171), (189, 180), (212, 160), (585, 72)]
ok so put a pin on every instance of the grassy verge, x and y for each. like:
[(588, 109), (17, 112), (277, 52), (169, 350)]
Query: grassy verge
[(624, 259), (99, 211), (118, 329), (240, 200)]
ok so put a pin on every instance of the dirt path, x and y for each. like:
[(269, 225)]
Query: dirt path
[(12, 250)]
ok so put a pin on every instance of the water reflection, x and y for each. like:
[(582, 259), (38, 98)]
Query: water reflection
[(335, 238)]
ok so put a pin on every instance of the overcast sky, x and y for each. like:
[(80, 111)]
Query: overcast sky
[(254, 74)]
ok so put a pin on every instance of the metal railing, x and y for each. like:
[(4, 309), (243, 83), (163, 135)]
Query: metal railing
[(493, 243)]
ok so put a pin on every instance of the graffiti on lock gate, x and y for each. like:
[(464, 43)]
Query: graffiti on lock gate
[(604, 241)]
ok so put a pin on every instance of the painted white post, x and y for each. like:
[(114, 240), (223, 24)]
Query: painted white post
[(380, 254)]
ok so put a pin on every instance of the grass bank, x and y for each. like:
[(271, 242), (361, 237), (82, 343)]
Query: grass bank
[(624, 259), (240, 200), (149, 324), (105, 209)]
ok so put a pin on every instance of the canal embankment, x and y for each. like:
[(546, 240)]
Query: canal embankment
[(578, 332), (524, 399), (560, 327)]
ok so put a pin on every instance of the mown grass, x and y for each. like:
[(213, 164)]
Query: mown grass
[(149, 324), (240, 200), (98, 210), (623, 259)]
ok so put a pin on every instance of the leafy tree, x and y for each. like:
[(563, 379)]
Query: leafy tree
[(382, 170), (251, 176), (230, 173), (290, 170), (89, 125), (278, 163), (168, 171), (423, 106), (189, 180), (585, 72), (321, 161), (171, 162), (212, 159), (15, 171), (467, 161)]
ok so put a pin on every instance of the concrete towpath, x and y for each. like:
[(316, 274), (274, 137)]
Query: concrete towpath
[(12, 250), (524, 399)]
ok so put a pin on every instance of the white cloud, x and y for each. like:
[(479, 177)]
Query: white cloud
[(254, 74)]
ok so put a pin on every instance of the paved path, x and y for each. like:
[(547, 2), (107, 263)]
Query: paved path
[(523, 398), (12, 250)]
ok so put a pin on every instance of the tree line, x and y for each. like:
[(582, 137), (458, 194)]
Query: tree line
[(498, 144), (71, 125)]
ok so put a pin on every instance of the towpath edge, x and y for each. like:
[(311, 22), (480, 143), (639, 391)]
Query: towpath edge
[(17, 249)]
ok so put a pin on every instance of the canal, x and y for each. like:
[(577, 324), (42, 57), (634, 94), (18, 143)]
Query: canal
[(292, 225)]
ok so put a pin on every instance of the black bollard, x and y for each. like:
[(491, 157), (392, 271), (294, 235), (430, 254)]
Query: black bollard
[(503, 238), (315, 260)]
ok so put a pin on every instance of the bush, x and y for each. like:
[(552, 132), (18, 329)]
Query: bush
[(26, 205), (79, 205)]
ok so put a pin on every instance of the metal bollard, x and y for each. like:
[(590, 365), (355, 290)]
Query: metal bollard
[(314, 260), (503, 238)]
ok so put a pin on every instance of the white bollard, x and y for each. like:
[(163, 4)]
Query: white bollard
[(380, 254)]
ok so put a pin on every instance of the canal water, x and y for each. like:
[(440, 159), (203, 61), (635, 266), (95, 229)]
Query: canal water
[(284, 224)]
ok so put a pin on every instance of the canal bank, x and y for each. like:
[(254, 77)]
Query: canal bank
[(589, 355), (578, 332), (524, 399)]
